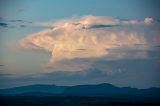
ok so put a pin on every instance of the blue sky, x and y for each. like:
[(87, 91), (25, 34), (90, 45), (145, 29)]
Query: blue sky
[(19, 19)]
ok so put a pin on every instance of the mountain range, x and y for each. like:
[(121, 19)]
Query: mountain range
[(104, 89)]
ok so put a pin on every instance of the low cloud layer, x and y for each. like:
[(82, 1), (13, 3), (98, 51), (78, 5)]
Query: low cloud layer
[(77, 43), (139, 73)]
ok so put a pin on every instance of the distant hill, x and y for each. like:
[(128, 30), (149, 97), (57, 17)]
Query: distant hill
[(33, 89), (104, 89), (101, 89)]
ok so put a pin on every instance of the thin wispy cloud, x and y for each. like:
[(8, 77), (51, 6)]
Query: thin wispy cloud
[(14, 23), (3, 24), (5, 75), (21, 21)]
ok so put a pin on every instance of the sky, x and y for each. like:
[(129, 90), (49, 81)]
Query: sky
[(68, 42)]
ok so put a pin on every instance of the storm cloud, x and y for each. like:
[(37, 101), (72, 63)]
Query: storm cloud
[(76, 44)]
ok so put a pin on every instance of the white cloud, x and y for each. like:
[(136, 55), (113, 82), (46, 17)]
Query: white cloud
[(75, 38), (148, 20), (90, 20), (86, 20)]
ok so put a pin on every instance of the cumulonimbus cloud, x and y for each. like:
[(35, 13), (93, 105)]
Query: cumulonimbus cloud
[(88, 37)]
